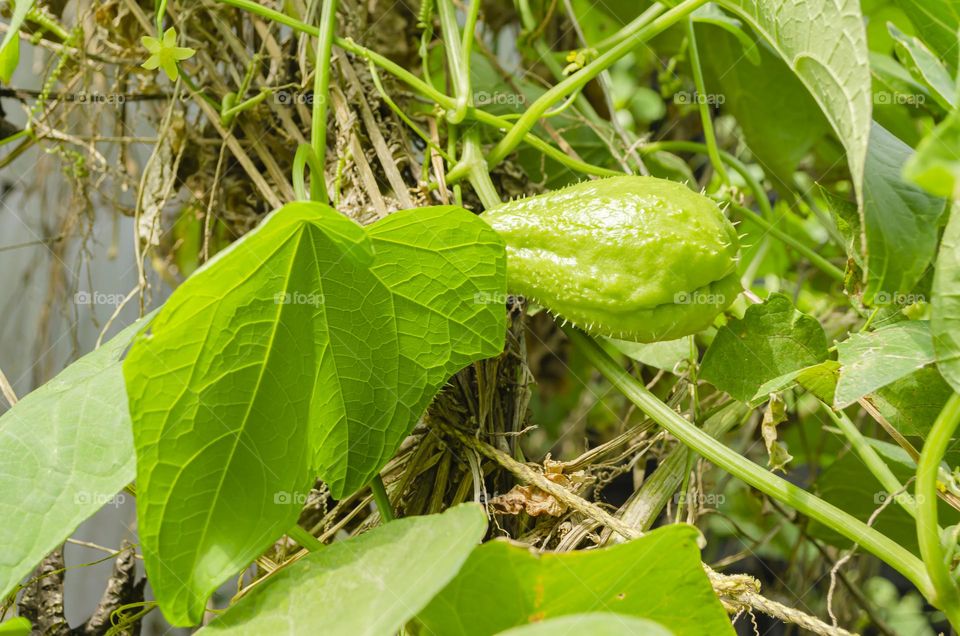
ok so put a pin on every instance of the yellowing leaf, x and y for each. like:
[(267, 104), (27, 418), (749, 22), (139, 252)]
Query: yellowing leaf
[(774, 414)]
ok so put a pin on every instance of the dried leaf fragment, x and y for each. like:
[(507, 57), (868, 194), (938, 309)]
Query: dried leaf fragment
[(774, 414), (536, 502)]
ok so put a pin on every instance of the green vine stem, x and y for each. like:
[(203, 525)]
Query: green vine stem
[(321, 88), (381, 498), (776, 487), (304, 538), (228, 114), (457, 50), (708, 132), (479, 173), (872, 460), (423, 88), (557, 93), (818, 261), (556, 68), (306, 157), (471, 159), (160, 12), (947, 597), (631, 28)]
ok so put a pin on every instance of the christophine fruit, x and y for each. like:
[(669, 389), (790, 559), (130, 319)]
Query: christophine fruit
[(635, 258)]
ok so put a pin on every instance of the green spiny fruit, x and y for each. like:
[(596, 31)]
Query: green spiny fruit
[(637, 258)]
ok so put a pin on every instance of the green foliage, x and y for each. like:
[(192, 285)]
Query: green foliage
[(503, 586), (664, 355), (714, 15), (66, 450), (310, 347), (925, 68), (780, 120), (848, 484), (945, 318), (371, 584), (10, 45), (892, 209), (912, 403), (824, 43), (935, 166), (771, 340), (902, 614), (873, 360), (937, 22)]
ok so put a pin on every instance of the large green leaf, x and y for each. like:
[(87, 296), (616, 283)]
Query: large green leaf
[(594, 624), (779, 119), (65, 451), (371, 584), (825, 43), (658, 577), (870, 361), (310, 347), (771, 340), (10, 46), (900, 221), (945, 315)]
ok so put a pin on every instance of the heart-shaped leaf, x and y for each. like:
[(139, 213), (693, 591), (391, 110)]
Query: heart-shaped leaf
[(310, 347), (771, 340)]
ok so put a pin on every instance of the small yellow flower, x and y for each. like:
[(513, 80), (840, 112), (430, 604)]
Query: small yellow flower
[(165, 53)]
